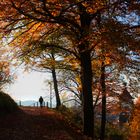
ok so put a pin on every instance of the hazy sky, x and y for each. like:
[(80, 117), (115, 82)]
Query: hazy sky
[(29, 86)]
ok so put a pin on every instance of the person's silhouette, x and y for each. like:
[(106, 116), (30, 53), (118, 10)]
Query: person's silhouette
[(41, 101)]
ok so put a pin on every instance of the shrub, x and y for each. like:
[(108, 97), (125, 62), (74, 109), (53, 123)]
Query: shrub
[(72, 116), (114, 132), (135, 122)]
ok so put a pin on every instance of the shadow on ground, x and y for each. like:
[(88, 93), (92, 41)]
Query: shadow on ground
[(35, 124)]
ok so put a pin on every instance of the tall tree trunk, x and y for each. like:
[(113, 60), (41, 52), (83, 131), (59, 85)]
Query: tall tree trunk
[(103, 86), (58, 102), (86, 75), (86, 72)]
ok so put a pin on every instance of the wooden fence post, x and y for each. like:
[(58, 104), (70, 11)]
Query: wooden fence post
[(19, 103)]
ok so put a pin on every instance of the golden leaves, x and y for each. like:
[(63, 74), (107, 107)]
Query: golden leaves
[(92, 7), (4, 70), (72, 62)]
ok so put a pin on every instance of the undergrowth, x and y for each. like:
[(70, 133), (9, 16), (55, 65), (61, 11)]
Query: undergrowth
[(72, 117)]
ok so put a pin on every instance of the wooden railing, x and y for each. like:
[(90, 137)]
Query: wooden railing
[(35, 104)]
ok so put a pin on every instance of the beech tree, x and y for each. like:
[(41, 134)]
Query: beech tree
[(91, 22), (42, 60), (47, 57), (70, 84)]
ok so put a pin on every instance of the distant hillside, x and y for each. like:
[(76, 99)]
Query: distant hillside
[(27, 103)]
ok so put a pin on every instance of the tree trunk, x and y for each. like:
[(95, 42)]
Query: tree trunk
[(58, 102), (103, 86), (86, 71), (86, 75)]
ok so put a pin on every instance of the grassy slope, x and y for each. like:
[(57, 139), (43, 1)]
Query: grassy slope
[(7, 104)]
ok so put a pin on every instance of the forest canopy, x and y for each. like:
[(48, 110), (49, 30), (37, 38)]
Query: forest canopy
[(98, 41)]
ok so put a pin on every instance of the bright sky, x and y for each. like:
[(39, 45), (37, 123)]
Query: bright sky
[(29, 86)]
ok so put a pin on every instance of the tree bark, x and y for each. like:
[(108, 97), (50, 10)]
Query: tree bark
[(86, 75), (58, 102), (103, 86)]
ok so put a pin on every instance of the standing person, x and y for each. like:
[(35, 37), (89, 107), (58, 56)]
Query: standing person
[(41, 101)]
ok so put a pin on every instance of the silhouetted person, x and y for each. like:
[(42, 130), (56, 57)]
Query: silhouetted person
[(41, 101)]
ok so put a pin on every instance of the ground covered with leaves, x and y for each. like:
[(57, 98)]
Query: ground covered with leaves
[(36, 124)]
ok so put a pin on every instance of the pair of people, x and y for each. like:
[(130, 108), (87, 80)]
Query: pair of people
[(41, 101)]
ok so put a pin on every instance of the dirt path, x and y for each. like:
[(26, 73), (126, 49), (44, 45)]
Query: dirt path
[(35, 124)]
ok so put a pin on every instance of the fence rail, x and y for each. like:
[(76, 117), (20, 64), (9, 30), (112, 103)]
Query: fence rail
[(34, 104)]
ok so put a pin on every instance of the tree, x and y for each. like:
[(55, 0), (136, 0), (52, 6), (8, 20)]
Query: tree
[(46, 57), (43, 61), (70, 84), (112, 59)]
